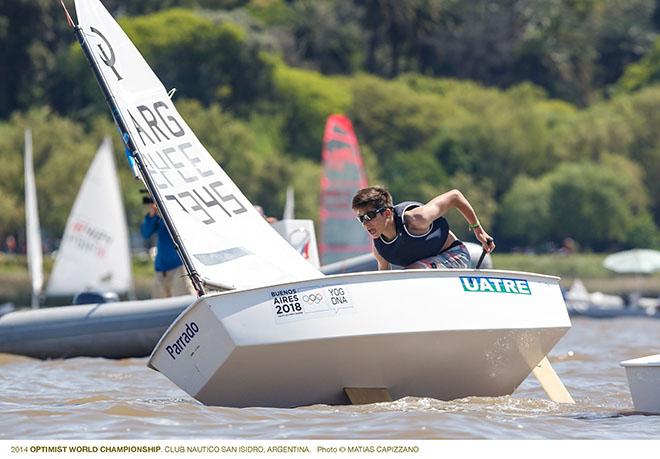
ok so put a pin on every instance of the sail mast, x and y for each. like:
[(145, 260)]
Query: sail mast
[(136, 156), (32, 226), (289, 204)]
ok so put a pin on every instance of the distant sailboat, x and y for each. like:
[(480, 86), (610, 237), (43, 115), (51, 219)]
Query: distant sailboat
[(32, 226), (343, 174), (94, 253), (299, 233), (301, 236)]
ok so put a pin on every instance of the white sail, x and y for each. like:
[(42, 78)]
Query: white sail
[(32, 226), (289, 204), (94, 252), (228, 242)]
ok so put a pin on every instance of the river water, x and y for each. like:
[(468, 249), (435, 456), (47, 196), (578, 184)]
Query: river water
[(101, 399)]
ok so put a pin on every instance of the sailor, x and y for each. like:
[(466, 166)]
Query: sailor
[(415, 235), (170, 278)]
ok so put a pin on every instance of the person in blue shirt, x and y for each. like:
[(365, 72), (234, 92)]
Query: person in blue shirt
[(415, 235), (171, 278)]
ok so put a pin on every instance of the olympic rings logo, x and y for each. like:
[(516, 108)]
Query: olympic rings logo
[(312, 298)]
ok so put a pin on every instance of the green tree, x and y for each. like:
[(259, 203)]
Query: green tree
[(642, 73), (305, 99), (32, 32), (497, 135), (524, 215), (62, 153), (132, 8), (480, 194), (573, 47), (643, 233), (393, 117), (327, 35), (206, 59), (645, 144), (414, 176), (589, 203), (249, 153)]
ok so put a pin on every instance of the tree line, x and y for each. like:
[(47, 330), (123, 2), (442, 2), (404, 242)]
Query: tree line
[(541, 112)]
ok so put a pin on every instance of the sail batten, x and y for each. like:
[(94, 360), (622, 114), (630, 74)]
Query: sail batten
[(204, 210)]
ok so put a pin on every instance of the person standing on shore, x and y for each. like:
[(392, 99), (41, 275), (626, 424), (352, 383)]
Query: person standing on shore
[(170, 277)]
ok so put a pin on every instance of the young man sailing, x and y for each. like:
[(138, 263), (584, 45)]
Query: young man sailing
[(415, 235)]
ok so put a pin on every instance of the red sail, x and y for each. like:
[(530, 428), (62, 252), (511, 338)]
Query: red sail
[(343, 174)]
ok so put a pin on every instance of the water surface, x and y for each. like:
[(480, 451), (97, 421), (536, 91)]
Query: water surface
[(89, 398)]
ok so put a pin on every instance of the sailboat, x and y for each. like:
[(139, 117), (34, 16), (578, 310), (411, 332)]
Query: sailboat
[(343, 176), (32, 226), (299, 233), (283, 334), (94, 253)]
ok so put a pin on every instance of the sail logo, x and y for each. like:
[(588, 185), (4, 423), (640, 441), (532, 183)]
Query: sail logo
[(107, 60), (89, 238), (495, 285), (183, 340)]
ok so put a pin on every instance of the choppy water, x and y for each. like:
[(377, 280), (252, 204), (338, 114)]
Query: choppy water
[(94, 399)]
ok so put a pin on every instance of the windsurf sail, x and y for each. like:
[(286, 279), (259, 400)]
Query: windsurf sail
[(222, 240), (342, 236), (32, 226), (94, 252)]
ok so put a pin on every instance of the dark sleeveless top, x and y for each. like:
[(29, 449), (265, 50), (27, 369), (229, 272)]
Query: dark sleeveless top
[(407, 248)]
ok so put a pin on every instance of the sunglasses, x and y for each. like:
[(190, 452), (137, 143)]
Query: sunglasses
[(367, 216)]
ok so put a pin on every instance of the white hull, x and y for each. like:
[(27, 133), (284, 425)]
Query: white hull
[(414, 333), (644, 382)]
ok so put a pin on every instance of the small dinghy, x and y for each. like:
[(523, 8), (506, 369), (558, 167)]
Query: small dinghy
[(427, 333), (644, 382), (94, 254)]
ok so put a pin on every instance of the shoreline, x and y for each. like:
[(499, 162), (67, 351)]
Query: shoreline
[(15, 286)]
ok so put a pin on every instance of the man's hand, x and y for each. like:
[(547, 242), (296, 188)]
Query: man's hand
[(153, 210)]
